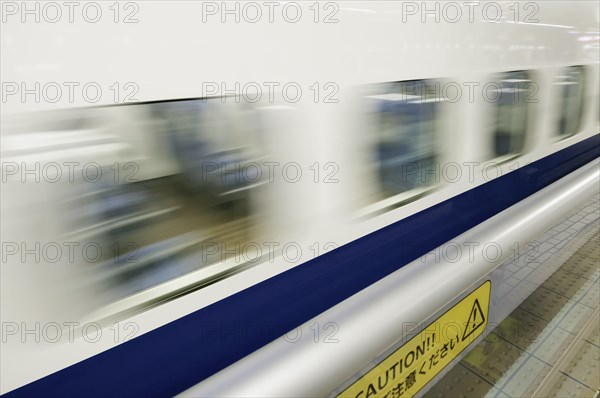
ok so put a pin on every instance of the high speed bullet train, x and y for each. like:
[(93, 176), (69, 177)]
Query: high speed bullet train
[(282, 198)]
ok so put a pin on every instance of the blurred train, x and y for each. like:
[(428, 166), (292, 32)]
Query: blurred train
[(266, 213)]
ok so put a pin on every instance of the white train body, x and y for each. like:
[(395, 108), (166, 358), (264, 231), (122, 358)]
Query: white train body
[(310, 78)]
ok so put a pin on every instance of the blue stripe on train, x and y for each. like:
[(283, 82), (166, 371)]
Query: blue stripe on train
[(176, 356)]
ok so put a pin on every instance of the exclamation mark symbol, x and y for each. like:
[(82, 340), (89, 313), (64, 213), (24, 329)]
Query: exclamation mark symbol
[(476, 319)]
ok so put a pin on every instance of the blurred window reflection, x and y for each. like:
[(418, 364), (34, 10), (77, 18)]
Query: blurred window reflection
[(159, 190), (406, 127), (512, 96), (571, 86)]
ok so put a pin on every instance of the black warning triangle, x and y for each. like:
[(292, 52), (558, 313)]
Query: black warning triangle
[(476, 319)]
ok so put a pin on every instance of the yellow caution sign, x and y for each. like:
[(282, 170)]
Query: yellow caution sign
[(408, 369)]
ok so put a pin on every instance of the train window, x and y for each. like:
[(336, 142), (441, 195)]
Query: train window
[(512, 94), (159, 190), (571, 86), (197, 184), (405, 126)]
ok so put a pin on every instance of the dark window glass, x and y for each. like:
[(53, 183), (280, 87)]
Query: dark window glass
[(406, 127), (512, 96), (571, 85)]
